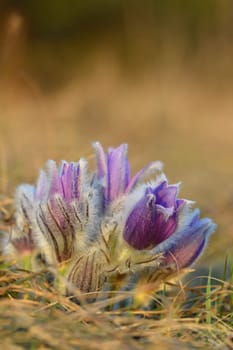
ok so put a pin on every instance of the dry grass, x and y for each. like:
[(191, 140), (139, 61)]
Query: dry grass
[(35, 316)]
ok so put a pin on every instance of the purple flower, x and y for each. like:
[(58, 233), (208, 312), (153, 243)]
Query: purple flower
[(154, 217), (162, 223), (113, 169), (59, 208), (186, 245), (108, 223)]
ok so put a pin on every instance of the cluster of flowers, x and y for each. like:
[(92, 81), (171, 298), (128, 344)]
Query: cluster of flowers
[(106, 223)]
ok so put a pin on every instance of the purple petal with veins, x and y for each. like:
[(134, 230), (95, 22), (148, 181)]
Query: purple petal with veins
[(118, 171), (166, 195), (139, 225), (66, 180), (56, 211), (55, 186), (184, 247), (148, 224)]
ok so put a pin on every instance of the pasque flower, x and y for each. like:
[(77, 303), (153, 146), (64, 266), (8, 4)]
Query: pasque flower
[(154, 217), (188, 242), (73, 215), (59, 209), (113, 170)]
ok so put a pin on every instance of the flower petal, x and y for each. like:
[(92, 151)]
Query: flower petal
[(56, 227), (70, 180), (148, 224), (55, 185), (118, 171), (185, 246), (86, 273), (138, 230), (66, 179), (101, 160), (144, 172), (42, 186), (166, 195), (179, 204)]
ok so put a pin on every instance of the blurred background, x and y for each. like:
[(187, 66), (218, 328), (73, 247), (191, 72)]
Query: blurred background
[(155, 74)]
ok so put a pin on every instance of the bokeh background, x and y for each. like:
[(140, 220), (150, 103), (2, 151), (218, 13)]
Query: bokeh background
[(155, 74)]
